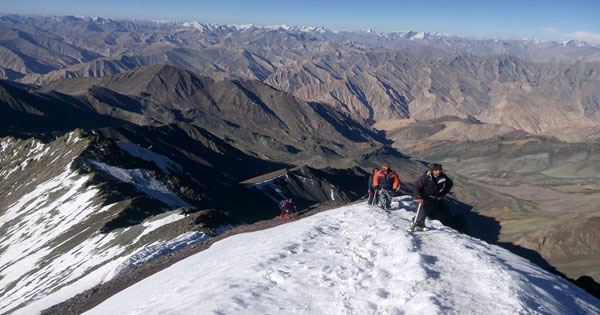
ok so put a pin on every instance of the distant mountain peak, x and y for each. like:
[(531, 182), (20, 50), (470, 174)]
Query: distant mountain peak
[(211, 27), (249, 27), (575, 43)]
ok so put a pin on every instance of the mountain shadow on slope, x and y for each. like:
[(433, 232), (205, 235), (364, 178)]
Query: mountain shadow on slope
[(346, 125), (24, 114), (207, 170), (210, 175), (459, 216), (198, 151), (254, 115), (308, 187), (116, 100)]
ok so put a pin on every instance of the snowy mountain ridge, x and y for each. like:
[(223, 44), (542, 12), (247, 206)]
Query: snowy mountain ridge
[(352, 260), (84, 209), (51, 242), (406, 34), (211, 27)]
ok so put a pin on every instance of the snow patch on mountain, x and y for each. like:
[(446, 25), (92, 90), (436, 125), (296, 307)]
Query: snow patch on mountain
[(4, 144), (418, 35), (155, 224), (143, 182), (72, 138), (51, 245), (251, 27), (195, 25), (109, 263), (31, 225), (574, 43), (268, 186), (92, 278), (158, 249), (358, 260), (35, 150), (164, 163)]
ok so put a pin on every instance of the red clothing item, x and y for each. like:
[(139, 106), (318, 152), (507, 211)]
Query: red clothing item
[(386, 179), (287, 205)]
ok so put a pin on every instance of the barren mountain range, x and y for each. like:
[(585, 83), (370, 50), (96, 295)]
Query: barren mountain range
[(372, 77), (166, 119)]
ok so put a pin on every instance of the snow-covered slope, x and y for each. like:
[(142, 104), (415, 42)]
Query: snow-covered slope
[(352, 260), (52, 246)]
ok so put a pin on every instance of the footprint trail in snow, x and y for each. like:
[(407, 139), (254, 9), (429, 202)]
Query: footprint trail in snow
[(352, 260)]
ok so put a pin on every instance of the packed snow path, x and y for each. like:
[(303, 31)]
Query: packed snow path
[(352, 260)]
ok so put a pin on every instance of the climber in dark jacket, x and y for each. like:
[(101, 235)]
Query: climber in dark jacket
[(429, 191)]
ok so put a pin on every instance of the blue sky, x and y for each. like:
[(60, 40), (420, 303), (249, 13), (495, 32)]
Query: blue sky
[(556, 20)]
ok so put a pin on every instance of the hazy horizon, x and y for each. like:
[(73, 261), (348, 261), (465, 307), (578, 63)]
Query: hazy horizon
[(545, 20)]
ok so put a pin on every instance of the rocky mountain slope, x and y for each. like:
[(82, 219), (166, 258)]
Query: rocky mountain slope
[(249, 113), (78, 199), (26, 113)]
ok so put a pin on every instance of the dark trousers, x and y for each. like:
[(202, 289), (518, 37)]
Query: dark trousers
[(429, 206), (384, 197)]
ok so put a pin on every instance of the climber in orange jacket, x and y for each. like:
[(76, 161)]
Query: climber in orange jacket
[(386, 182)]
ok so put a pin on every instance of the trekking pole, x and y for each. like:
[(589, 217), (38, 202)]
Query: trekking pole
[(414, 222), (373, 203)]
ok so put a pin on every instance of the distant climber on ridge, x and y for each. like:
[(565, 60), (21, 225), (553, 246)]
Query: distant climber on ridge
[(385, 182), (429, 190), (286, 206)]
